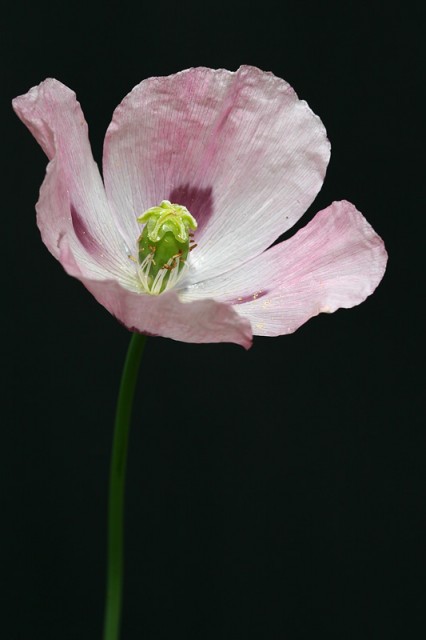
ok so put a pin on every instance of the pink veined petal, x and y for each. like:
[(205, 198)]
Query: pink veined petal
[(200, 321), (56, 227), (238, 149), (336, 261), (72, 198)]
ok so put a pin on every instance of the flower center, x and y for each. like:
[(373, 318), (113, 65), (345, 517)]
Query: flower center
[(164, 245)]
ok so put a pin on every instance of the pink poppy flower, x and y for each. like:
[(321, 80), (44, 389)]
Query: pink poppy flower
[(216, 161)]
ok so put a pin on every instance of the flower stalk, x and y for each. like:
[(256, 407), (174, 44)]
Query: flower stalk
[(115, 555)]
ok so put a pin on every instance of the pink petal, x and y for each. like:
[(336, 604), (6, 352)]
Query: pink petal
[(72, 200), (238, 149), (166, 315), (337, 260)]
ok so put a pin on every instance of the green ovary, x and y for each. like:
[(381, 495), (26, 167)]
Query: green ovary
[(164, 245)]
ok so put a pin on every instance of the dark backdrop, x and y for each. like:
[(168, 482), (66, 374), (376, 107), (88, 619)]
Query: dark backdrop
[(276, 493)]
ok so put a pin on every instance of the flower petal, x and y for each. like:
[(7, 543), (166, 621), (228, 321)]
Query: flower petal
[(238, 149), (337, 260), (166, 315), (72, 199)]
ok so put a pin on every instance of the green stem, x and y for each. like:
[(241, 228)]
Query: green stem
[(116, 487)]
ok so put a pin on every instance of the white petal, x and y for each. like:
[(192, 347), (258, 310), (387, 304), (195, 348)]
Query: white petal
[(239, 150)]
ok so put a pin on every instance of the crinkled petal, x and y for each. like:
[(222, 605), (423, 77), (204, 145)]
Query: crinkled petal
[(166, 315), (72, 198), (336, 261), (238, 149)]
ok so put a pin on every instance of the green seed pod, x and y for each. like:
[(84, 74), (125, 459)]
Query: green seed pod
[(164, 245)]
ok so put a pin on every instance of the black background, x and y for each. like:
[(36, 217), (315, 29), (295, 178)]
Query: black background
[(276, 493)]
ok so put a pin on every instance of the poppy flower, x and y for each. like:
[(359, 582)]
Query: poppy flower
[(202, 171)]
